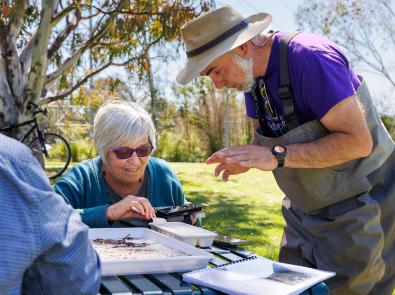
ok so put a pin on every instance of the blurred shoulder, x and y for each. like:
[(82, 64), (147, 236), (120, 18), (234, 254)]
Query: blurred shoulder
[(14, 152)]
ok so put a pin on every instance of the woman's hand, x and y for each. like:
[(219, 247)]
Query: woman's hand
[(130, 207)]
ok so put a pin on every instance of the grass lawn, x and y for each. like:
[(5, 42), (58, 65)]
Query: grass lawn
[(248, 206)]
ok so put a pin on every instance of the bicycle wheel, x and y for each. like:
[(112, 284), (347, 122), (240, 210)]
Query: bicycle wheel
[(54, 153)]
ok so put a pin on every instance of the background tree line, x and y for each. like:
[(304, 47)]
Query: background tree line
[(189, 128), (54, 53)]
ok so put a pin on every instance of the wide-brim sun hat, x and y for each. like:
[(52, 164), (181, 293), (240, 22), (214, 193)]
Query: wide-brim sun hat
[(214, 33)]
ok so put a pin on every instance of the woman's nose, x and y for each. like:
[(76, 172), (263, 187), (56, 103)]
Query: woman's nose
[(134, 158)]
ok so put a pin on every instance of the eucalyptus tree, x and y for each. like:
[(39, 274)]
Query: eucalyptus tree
[(50, 48), (365, 28)]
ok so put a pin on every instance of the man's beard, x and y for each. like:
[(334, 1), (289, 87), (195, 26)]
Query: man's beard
[(246, 67)]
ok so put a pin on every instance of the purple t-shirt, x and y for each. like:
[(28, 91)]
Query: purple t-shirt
[(320, 77)]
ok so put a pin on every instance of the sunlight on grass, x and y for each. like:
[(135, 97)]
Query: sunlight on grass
[(247, 207)]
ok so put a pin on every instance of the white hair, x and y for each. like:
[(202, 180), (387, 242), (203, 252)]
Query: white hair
[(246, 67), (119, 123)]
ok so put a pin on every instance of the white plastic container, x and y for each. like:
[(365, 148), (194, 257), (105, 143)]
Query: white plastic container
[(187, 233), (193, 259)]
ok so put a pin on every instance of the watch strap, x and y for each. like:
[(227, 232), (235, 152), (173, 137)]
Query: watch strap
[(279, 155)]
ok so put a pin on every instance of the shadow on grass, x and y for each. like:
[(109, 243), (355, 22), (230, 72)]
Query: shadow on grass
[(231, 215)]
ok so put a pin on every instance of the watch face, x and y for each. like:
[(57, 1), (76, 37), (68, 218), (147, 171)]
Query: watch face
[(279, 149)]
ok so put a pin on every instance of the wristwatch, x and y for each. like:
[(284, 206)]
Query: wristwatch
[(280, 152)]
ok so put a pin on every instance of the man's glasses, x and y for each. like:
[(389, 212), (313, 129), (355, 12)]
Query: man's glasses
[(126, 152), (270, 110)]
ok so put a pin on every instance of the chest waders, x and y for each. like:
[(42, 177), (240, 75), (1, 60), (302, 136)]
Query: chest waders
[(340, 218)]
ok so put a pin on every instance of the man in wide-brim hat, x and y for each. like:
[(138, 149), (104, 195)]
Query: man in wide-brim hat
[(318, 131)]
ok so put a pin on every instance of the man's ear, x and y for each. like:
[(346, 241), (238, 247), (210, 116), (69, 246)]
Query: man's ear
[(243, 50)]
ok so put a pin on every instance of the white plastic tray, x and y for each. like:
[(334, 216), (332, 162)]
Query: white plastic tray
[(195, 259), (187, 233)]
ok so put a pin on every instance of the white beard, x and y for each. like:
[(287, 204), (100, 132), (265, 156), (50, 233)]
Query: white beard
[(246, 67)]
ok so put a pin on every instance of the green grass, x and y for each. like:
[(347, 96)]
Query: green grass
[(248, 206)]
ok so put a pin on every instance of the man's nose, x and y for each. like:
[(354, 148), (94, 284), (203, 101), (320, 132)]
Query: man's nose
[(218, 82)]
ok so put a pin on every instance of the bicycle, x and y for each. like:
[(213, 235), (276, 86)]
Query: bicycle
[(49, 148)]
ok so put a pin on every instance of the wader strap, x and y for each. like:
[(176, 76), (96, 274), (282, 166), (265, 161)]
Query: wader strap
[(285, 89)]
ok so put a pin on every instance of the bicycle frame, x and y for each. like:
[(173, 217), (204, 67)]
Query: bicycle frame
[(38, 144), (27, 133)]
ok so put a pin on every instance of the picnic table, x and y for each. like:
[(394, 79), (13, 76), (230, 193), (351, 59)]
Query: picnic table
[(172, 284)]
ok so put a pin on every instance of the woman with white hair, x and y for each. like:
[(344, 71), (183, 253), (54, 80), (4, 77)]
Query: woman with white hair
[(119, 187)]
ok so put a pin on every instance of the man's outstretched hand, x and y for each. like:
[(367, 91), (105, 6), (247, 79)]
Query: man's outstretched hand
[(239, 159)]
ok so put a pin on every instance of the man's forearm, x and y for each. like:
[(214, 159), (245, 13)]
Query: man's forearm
[(331, 150)]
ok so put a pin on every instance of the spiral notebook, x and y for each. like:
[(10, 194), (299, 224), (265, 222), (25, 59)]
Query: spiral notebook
[(257, 276)]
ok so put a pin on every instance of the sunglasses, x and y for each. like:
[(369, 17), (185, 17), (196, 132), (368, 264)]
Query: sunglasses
[(126, 152)]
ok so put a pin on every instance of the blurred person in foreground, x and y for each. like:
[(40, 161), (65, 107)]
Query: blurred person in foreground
[(318, 131), (120, 187), (44, 245)]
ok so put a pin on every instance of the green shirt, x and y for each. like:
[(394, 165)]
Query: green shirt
[(84, 188)]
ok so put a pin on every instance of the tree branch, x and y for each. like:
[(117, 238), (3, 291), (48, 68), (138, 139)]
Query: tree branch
[(17, 19), (57, 18), (131, 12), (10, 51), (74, 58), (74, 87), (63, 36), (39, 55), (83, 80), (388, 7), (26, 55), (7, 105)]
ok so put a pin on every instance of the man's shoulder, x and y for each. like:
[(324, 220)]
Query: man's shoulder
[(308, 43), (11, 149)]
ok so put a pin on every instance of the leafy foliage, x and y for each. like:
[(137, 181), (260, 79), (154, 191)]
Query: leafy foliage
[(389, 123), (51, 48), (202, 110), (189, 128)]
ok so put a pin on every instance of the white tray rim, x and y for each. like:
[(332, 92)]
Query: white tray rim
[(204, 232), (196, 258)]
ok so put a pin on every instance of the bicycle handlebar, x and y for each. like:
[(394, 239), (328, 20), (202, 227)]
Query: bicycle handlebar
[(30, 105), (44, 111)]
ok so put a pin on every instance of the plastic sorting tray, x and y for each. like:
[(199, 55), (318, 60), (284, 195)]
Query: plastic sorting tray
[(187, 233), (193, 259)]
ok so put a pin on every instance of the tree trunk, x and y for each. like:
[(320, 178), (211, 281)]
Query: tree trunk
[(22, 76), (152, 90)]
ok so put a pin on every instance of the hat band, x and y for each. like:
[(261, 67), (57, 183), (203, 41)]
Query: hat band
[(241, 25)]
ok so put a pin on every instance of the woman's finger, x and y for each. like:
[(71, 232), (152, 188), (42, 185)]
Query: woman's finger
[(137, 207), (153, 215), (147, 207)]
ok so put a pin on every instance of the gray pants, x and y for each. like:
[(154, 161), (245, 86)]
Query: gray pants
[(354, 238)]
